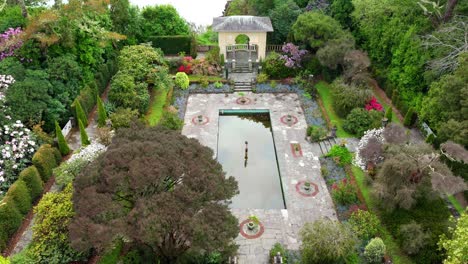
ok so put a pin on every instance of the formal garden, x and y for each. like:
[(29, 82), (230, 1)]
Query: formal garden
[(109, 118)]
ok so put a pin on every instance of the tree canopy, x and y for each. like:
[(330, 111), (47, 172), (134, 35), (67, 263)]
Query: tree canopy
[(157, 188)]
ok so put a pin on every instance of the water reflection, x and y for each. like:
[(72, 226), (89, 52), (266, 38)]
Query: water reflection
[(258, 176)]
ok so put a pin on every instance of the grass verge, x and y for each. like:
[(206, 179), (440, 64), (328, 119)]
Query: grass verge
[(324, 91), (156, 107), (393, 248), (199, 78), (456, 204)]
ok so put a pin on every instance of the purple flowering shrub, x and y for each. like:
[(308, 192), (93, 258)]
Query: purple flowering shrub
[(10, 41), (292, 55)]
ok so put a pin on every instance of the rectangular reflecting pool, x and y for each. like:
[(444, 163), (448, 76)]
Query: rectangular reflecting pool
[(258, 174)]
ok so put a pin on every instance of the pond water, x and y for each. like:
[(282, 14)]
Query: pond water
[(258, 175)]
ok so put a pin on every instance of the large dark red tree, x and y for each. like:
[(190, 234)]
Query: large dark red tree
[(154, 188)]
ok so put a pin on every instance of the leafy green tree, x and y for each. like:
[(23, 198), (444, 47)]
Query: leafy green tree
[(407, 67), (80, 113), (347, 97), (375, 250), (122, 91), (31, 100), (446, 99), (282, 18), (102, 115), (341, 11), (10, 17), (263, 7), (455, 244), (453, 130), (381, 24), (123, 117), (161, 190), (333, 53), (120, 16), (62, 142), (83, 135), (241, 8), (413, 238), (162, 20), (315, 29), (326, 241)]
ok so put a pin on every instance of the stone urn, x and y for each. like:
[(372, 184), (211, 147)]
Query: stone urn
[(307, 186), (251, 226)]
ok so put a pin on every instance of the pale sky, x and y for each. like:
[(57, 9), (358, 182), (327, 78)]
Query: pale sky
[(200, 12)]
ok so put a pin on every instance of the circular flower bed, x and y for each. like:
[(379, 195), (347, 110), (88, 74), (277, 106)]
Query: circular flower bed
[(251, 233)]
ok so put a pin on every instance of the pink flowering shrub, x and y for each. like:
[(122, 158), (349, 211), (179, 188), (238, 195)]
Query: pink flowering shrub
[(293, 55), (374, 105), (9, 42)]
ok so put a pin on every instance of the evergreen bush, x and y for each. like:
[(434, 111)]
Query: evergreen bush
[(182, 80), (83, 135), (375, 250), (45, 159), (19, 194), (408, 121), (62, 143), (389, 114), (80, 113), (102, 115), (33, 181), (10, 220)]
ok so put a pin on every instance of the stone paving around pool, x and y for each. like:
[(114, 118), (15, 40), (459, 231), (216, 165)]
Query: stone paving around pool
[(279, 225)]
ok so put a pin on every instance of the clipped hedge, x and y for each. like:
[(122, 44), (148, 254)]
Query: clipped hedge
[(45, 159), (10, 220), (33, 181), (173, 45), (19, 194)]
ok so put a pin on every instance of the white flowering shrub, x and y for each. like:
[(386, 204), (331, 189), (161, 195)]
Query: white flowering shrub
[(373, 133), (17, 146), (5, 82), (66, 172)]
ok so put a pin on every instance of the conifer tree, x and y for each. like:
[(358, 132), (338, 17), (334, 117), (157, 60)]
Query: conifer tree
[(80, 113), (62, 143), (83, 134), (102, 115)]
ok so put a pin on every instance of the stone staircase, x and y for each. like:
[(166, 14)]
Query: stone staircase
[(242, 68), (242, 86)]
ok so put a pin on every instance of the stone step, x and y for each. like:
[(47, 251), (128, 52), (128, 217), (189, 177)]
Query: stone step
[(242, 90)]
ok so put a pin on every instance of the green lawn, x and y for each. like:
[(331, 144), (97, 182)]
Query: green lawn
[(456, 204), (392, 246), (324, 92), (157, 106)]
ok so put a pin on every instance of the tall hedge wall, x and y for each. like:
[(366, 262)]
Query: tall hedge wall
[(173, 45)]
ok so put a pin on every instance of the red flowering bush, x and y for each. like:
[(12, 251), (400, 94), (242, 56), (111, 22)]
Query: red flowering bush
[(186, 65), (185, 68), (374, 105), (344, 192)]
